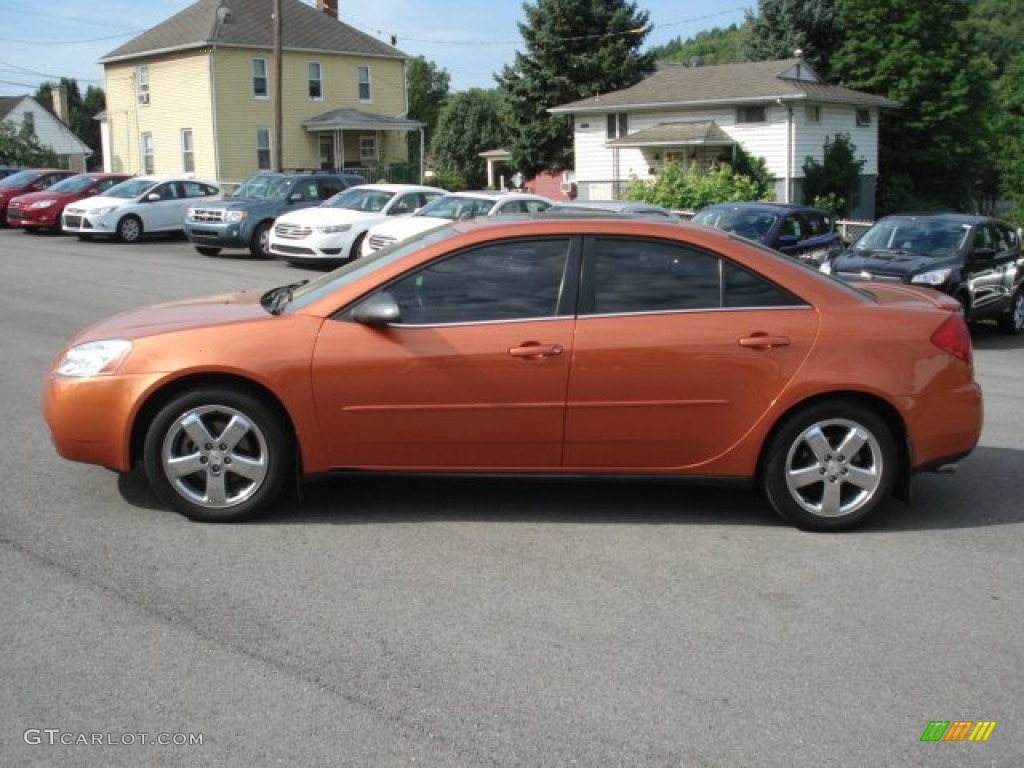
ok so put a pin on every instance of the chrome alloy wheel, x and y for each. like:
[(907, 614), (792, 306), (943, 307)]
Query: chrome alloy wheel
[(215, 456), (834, 468)]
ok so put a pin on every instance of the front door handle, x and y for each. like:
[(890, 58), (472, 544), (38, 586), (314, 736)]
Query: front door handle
[(534, 350), (764, 341)]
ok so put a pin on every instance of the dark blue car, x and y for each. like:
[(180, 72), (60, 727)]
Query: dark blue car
[(808, 234)]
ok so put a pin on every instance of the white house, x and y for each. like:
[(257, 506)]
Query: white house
[(778, 110), (49, 129)]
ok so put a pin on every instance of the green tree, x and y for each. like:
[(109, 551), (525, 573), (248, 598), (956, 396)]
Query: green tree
[(1009, 157), (428, 87), (690, 190), (19, 146), (574, 49), (713, 46), (82, 112), (780, 27), (471, 122), (925, 56), (831, 183)]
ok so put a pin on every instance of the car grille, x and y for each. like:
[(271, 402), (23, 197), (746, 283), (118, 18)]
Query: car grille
[(14, 214), (211, 215), (380, 241), (292, 249), (74, 211), (292, 231), (870, 276), (72, 221), (14, 205)]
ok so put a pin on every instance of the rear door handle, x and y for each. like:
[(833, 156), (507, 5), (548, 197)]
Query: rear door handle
[(532, 349), (764, 341)]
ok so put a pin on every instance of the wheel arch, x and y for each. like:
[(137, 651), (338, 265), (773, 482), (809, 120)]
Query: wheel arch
[(162, 396), (884, 409)]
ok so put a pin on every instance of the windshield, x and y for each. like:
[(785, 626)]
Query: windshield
[(263, 187), (753, 225), (72, 184), (19, 179), (313, 291), (454, 208), (130, 188), (925, 237), (360, 199)]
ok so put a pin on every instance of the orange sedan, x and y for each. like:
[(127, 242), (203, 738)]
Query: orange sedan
[(583, 346)]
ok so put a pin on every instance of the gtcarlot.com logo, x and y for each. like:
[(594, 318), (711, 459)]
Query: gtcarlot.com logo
[(958, 730), (54, 736)]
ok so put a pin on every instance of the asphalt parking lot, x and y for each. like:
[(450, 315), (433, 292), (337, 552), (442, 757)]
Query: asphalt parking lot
[(435, 622)]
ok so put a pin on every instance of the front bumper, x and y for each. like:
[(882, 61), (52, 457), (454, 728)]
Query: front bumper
[(316, 248), (88, 224), (34, 218), (236, 234)]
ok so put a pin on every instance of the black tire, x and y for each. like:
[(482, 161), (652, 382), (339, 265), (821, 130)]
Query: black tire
[(357, 244), (259, 246), (215, 433), (129, 229), (206, 250), (811, 481), (1011, 322)]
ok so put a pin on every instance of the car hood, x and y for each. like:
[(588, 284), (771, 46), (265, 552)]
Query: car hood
[(894, 263), (407, 226), (102, 201), (38, 197), (198, 313), (317, 216)]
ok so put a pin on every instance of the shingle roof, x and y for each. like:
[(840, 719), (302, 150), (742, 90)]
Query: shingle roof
[(701, 132), (345, 119), (7, 103), (303, 26), (724, 83)]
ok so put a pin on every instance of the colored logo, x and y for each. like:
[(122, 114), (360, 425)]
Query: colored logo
[(958, 730)]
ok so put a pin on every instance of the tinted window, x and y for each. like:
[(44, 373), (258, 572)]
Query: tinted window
[(510, 280), (195, 189), (329, 187), (743, 288), (651, 276)]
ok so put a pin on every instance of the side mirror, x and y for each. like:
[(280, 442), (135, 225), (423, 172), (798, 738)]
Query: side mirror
[(152, 197), (380, 309)]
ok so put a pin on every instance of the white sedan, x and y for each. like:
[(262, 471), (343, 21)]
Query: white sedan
[(138, 206), (457, 205), (333, 231)]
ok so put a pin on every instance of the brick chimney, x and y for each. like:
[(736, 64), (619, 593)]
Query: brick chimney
[(59, 99), (330, 7)]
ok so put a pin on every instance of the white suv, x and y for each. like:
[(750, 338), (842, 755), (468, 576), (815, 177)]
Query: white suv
[(444, 210), (333, 231)]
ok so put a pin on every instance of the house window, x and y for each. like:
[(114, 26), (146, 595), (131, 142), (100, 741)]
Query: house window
[(364, 84), (28, 122), (751, 114), (148, 166), (813, 113), (316, 86), (188, 155), (259, 79), (618, 125), (142, 83), (367, 148), (863, 117), (263, 149)]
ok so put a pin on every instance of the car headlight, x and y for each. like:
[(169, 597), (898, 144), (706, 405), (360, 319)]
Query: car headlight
[(42, 204), (935, 277), (236, 215), (94, 358), (330, 229), (103, 211)]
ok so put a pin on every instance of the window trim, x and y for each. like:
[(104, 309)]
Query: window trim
[(743, 114), (364, 156), (147, 153), (265, 78), (813, 113), (863, 117), (188, 151), (269, 149), (364, 69), (318, 80), (28, 121), (616, 125), (142, 84)]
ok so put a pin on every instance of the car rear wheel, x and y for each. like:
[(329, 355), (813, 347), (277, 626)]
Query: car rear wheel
[(129, 229), (829, 466), (207, 251), (1012, 321), (217, 455), (259, 246)]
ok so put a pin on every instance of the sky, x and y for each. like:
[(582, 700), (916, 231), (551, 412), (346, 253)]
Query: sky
[(471, 40)]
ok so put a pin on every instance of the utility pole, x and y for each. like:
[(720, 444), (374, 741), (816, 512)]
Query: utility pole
[(278, 88)]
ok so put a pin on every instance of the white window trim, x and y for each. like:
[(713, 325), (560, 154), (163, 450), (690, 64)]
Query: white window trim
[(363, 155), (142, 84), (813, 113), (188, 152), (369, 84), (740, 111), (146, 152), (266, 78), (269, 148), (319, 79), (866, 114)]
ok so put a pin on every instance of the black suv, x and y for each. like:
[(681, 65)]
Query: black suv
[(975, 259), (808, 234), (244, 220)]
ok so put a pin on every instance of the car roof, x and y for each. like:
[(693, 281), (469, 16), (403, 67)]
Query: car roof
[(763, 206), (399, 187), (496, 194), (964, 218)]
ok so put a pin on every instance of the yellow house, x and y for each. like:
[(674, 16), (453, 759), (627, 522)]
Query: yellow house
[(196, 94)]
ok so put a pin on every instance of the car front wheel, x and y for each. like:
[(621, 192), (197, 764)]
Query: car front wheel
[(129, 229), (1012, 321), (829, 466), (217, 455), (259, 246)]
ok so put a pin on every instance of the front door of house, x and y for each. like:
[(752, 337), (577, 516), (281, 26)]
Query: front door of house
[(327, 159)]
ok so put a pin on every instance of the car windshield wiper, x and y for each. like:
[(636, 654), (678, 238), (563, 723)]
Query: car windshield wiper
[(276, 299)]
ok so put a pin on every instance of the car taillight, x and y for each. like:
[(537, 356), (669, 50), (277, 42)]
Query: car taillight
[(953, 337)]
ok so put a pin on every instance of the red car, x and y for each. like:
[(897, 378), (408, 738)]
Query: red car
[(31, 180), (42, 210), (526, 347)]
